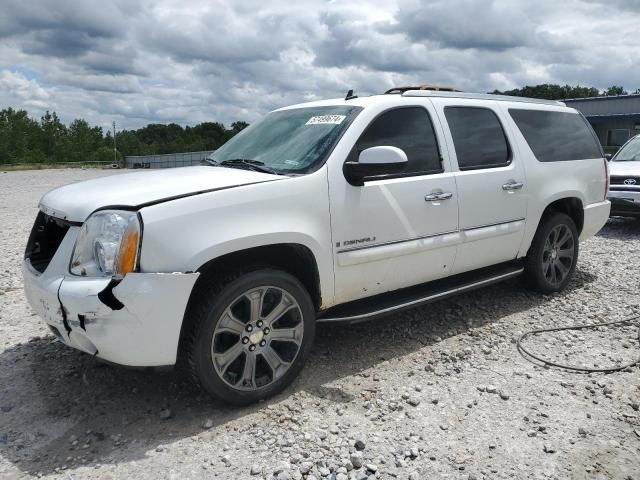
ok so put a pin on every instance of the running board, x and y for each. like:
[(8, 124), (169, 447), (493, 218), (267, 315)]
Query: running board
[(406, 298)]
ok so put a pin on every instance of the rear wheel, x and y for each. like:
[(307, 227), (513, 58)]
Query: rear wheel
[(251, 335), (553, 255)]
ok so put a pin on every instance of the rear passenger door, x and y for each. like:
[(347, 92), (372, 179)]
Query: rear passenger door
[(490, 180)]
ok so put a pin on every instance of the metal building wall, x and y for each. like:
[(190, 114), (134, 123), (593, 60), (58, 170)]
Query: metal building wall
[(602, 127), (169, 160), (619, 105), (611, 117)]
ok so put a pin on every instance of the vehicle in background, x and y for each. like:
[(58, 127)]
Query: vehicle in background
[(624, 180), (340, 210)]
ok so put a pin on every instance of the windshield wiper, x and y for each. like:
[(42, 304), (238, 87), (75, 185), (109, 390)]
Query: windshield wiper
[(256, 165), (209, 161)]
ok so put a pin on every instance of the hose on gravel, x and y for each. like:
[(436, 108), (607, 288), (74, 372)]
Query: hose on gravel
[(528, 355)]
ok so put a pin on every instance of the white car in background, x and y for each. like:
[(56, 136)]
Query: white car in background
[(624, 187), (333, 211)]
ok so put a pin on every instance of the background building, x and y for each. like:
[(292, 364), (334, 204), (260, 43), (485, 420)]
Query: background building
[(615, 119), (169, 160)]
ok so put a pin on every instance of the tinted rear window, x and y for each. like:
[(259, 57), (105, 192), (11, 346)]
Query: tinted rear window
[(556, 136)]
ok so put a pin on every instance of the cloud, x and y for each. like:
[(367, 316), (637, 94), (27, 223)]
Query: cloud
[(16, 84), (463, 24), (87, 19), (219, 60), (606, 5)]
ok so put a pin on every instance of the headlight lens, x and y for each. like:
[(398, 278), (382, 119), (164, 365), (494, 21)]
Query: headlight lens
[(107, 244)]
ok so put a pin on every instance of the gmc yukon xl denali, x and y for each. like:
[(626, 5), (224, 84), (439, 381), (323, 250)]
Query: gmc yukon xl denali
[(332, 211)]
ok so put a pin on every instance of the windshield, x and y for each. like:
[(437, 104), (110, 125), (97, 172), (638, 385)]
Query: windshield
[(289, 141), (630, 152)]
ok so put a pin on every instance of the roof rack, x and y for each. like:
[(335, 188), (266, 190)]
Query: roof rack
[(479, 96), (434, 88)]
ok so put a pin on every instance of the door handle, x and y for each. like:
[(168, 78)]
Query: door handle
[(509, 187), (434, 197)]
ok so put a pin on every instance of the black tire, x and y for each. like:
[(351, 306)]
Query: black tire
[(215, 297), (543, 268)]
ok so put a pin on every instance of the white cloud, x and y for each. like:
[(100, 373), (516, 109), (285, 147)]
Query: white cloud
[(215, 60), (17, 86)]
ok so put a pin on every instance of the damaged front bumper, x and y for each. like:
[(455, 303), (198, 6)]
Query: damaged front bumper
[(135, 321)]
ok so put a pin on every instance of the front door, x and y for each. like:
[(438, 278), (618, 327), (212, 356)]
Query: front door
[(399, 230)]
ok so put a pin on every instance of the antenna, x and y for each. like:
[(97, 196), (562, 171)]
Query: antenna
[(350, 95)]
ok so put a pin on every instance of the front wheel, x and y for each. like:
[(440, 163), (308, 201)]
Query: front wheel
[(253, 332), (552, 258)]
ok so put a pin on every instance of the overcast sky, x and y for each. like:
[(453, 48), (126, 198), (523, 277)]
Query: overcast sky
[(186, 61)]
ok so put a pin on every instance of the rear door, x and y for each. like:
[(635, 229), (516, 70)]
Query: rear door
[(490, 177)]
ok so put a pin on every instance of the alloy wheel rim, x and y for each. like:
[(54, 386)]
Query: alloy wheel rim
[(257, 338), (557, 255)]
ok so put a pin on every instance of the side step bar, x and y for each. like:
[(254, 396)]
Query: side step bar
[(406, 298)]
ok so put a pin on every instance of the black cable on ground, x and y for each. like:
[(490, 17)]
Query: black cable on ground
[(528, 355)]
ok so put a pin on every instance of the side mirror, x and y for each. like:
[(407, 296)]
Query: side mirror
[(375, 161), (608, 156)]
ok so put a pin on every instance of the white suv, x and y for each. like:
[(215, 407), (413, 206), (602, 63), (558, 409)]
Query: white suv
[(338, 210)]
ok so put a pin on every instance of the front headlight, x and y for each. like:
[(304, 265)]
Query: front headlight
[(107, 244)]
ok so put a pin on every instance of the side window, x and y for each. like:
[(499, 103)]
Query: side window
[(478, 138), (556, 136), (408, 128)]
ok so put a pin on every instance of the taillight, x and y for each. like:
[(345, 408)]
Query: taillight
[(606, 178)]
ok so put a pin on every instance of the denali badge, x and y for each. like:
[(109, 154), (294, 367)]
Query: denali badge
[(630, 181)]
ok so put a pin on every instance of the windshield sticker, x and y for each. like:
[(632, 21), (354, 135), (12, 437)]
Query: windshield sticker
[(326, 120)]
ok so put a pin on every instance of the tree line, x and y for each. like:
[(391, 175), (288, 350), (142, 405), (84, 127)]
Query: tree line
[(27, 140), (560, 92)]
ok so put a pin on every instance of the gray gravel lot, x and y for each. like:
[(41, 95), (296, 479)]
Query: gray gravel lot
[(437, 392)]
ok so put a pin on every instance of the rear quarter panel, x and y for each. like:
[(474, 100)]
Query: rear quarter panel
[(550, 181)]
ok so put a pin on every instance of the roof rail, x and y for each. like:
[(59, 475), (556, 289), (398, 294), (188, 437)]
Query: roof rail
[(437, 88), (480, 96)]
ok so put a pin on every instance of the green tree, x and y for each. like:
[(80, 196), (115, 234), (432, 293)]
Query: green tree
[(84, 141), (54, 142), (552, 91), (615, 90), (19, 137), (104, 154), (237, 127), (23, 139)]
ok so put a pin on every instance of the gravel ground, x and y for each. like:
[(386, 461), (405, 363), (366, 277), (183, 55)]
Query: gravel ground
[(437, 392)]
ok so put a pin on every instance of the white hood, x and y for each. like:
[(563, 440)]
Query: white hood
[(631, 168), (77, 201)]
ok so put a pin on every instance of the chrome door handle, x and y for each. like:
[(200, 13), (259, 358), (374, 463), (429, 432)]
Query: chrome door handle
[(509, 187), (434, 197)]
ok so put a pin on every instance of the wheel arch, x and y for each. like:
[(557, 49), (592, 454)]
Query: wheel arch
[(571, 203), (571, 206), (293, 258)]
